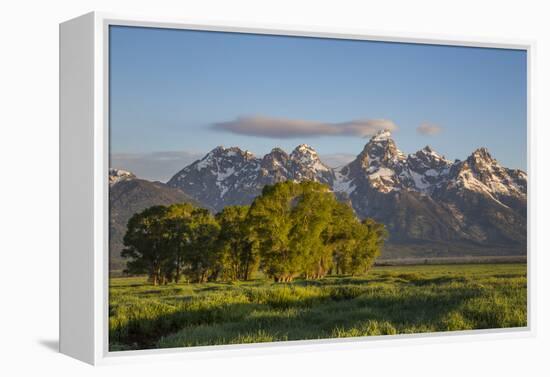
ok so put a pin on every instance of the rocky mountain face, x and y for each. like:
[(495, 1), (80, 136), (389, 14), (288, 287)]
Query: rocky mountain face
[(422, 198), (129, 195), (230, 176)]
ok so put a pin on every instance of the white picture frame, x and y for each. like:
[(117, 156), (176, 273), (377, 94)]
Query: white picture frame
[(84, 156)]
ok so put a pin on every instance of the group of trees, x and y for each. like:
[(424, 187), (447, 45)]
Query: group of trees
[(291, 230), (167, 242)]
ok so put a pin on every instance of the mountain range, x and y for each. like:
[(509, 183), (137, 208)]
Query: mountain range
[(430, 205)]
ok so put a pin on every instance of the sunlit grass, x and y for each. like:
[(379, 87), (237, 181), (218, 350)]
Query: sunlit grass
[(389, 300)]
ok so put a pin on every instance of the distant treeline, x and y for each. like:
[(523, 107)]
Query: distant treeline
[(467, 259), (291, 230)]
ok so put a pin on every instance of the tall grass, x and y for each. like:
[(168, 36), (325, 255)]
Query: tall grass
[(389, 300)]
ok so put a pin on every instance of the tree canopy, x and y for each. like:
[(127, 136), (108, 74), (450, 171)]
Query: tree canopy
[(239, 250), (290, 230)]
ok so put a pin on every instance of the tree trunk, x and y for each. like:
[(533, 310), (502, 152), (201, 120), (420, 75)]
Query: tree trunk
[(177, 277), (247, 266)]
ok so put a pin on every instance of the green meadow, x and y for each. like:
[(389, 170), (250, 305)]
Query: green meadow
[(388, 300)]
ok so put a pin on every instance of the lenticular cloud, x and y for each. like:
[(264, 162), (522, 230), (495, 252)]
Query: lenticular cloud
[(282, 128)]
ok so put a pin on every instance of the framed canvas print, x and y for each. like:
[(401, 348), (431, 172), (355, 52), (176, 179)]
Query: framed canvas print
[(240, 189)]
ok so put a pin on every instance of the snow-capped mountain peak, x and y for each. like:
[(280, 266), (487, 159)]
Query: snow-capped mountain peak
[(481, 172), (420, 196), (220, 156), (307, 158), (277, 157), (117, 175), (429, 151), (231, 175), (382, 135), (381, 148), (304, 148), (429, 156)]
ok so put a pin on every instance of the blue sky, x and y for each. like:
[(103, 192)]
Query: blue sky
[(182, 93)]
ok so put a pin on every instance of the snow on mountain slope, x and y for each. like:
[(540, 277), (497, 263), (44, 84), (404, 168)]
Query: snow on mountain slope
[(117, 175), (420, 196), (480, 171), (232, 176)]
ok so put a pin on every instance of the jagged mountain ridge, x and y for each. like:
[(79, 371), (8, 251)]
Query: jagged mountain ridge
[(420, 196), (228, 176), (424, 197)]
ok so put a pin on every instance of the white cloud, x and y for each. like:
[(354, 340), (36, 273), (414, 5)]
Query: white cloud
[(429, 129), (282, 128)]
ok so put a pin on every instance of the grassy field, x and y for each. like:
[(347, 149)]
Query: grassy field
[(389, 300)]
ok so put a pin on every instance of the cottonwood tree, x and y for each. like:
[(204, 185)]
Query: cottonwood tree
[(288, 219), (202, 253), (358, 246), (176, 222), (311, 215), (145, 243), (375, 236), (339, 235), (165, 241), (239, 251)]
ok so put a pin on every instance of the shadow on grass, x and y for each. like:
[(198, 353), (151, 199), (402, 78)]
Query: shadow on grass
[(440, 280), (142, 333), (341, 307)]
